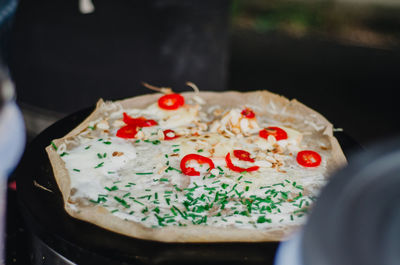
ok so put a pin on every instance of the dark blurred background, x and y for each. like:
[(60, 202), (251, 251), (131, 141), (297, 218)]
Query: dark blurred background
[(341, 58)]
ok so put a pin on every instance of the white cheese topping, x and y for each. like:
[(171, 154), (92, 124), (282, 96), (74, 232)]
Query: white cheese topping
[(140, 179)]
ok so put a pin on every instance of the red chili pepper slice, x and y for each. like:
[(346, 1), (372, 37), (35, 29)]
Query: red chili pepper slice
[(248, 113), (171, 101), (166, 137), (199, 159), (308, 158), (243, 155), (140, 122), (127, 132), (231, 166), (279, 133)]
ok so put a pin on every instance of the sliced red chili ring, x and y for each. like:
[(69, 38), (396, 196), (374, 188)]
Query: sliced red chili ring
[(248, 113), (127, 132), (168, 133), (140, 122), (171, 101), (308, 158), (199, 159), (243, 155), (277, 132), (231, 166)]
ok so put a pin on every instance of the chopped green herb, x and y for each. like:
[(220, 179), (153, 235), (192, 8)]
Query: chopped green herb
[(91, 128), (99, 165), (126, 195), (224, 185), (136, 201), (137, 141), (172, 168), (164, 179), (87, 147), (247, 188), (144, 173), (284, 195), (246, 181), (107, 142), (63, 154), (112, 188), (176, 150), (239, 178), (262, 219), (114, 211), (77, 170), (122, 202), (200, 150), (54, 145)]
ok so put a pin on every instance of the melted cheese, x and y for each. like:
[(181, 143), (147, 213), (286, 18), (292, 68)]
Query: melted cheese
[(140, 179)]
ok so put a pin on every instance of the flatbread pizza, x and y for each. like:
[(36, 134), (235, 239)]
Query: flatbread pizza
[(196, 166)]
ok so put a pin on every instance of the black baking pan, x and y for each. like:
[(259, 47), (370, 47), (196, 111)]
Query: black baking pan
[(85, 243)]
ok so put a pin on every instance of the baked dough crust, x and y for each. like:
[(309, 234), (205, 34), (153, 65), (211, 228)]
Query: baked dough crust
[(277, 107)]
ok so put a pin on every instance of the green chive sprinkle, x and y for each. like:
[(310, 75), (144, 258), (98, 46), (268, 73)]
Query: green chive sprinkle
[(224, 185), (77, 170), (107, 143), (144, 173), (136, 201), (114, 211), (200, 150), (99, 165), (176, 150), (122, 202), (87, 147), (54, 145), (112, 188), (63, 154), (262, 219)]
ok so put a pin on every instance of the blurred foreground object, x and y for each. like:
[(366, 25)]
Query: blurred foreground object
[(356, 220), (12, 141)]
